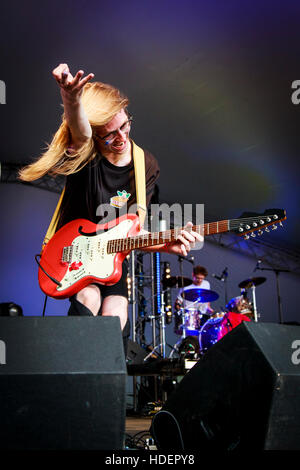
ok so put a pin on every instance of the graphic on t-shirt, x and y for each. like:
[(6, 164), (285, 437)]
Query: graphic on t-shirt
[(121, 199)]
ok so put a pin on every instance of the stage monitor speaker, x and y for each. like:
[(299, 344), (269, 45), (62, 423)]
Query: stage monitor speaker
[(135, 353), (62, 383), (242, 395)]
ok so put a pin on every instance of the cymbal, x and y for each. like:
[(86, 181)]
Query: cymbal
[(200, 295), (252, 281), (177, 281)]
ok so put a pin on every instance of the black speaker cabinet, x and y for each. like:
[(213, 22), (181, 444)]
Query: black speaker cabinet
[(62, 383), (244, 394)]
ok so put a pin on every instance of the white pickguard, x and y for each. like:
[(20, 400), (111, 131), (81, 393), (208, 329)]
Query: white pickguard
[(92, 253)]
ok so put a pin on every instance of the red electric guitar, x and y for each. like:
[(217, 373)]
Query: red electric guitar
[(81, 252)]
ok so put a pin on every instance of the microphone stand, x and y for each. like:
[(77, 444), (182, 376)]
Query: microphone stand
[(223, 278), (277, 272), (180, 260)]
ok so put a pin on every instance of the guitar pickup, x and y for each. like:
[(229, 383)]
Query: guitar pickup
[(67, 254)]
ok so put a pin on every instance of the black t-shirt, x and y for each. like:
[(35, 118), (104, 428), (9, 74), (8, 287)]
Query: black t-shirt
[(100, 182)]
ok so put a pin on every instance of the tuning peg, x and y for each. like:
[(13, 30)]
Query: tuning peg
[(268, 219), (260, 232), (281, 224), (246, 237), (267, 229), (253, 235), (274, 227), (241, 229)]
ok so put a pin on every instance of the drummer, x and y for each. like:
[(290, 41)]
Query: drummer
[(199, 282)]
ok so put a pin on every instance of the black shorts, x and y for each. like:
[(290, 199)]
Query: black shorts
[(120, 288)]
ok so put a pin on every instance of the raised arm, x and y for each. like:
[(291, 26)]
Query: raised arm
[(71, 90)]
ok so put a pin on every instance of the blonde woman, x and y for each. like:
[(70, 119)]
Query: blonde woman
[(93, 149)]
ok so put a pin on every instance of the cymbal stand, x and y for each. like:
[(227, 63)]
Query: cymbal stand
[(277, 272), (162, 323), (254, 303), (162, 332)]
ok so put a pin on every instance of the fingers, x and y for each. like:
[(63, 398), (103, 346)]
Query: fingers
[(65, 79), (86, 79), (188, 238), (61, 73), (196, 235)]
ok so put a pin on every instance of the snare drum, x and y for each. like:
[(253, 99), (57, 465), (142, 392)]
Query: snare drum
[(218, 326)]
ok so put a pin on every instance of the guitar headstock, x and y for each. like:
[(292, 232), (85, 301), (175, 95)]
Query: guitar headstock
[(251, 222)]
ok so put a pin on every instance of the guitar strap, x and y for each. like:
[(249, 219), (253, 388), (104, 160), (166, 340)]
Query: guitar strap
[(140, 182), (140, 186), (51, 229)]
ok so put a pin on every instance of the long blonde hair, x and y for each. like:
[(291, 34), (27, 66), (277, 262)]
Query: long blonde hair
[(101, 102)]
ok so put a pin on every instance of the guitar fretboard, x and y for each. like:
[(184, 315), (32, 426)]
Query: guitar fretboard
[(159, 238)]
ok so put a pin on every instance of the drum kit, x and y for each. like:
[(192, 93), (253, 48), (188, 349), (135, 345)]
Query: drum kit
[(200, 330)]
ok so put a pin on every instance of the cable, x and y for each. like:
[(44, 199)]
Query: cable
[(176, 422), (45, 303), (50, 277)]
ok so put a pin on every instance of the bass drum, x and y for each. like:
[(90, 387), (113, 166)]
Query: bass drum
[(218, 326)]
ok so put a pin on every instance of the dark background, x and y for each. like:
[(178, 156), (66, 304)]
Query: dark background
[(209, 84)]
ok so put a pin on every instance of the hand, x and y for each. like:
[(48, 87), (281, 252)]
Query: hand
[(71, 87), (185, 241)]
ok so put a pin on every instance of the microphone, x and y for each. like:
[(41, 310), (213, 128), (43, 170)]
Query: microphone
[(223, 275), (225, 272), (190, 260), (217, 277), (257, 265)]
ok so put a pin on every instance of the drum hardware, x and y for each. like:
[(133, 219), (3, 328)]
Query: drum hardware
[(217, 326), (251, 283), (240, 305), (162, 331), (277, 272), (192, 319), (200, 295)]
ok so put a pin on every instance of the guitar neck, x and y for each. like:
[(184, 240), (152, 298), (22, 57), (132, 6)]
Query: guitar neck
[(159, 238)]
